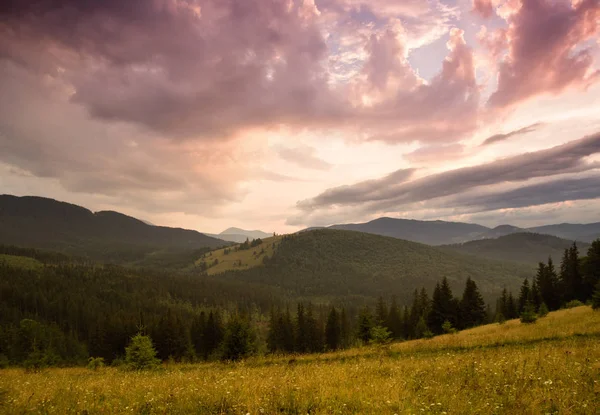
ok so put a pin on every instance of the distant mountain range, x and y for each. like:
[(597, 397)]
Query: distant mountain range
[(239, 235), (526, 247), (38, 222), (446, 233)]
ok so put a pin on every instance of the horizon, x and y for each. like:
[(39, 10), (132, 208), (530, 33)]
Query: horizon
[(289, 114)]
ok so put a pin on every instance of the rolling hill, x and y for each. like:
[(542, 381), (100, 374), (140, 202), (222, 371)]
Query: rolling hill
[(445, 233), (49, 224), (525, 247), (342, 264)]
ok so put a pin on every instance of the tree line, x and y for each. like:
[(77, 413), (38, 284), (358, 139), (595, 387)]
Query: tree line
[(62, 314)]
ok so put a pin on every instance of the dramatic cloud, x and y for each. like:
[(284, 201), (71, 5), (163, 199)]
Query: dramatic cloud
[(502, 137), (304, 156), (179, 67), (546, 49), (560, 190), (566, 158), (364, 191)]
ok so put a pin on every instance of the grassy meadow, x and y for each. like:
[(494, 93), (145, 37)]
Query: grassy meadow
[(239, 260), (20, 261), (550, 367)]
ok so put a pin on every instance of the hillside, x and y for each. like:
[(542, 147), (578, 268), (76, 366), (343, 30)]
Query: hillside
[(49, 224), (333, 263), (525, 247)]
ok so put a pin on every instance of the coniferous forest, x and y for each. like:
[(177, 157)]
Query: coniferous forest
[(59, 311)]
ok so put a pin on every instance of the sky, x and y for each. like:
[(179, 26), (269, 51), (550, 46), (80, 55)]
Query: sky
[(283, 114)]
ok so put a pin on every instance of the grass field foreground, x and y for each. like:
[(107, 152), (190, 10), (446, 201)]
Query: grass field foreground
[(551, 367)]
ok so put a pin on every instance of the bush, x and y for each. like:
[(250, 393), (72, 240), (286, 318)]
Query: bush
[(380, 335), (95, 363), (447, 327), (596, 297), (528, 315), (140, 354), (543, 311), (573, 304)]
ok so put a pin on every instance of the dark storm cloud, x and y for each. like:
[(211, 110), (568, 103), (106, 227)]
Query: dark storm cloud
[(560, 190), (501, 137), (566, 158)]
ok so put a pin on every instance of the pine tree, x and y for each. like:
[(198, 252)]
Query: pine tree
[(472, 306), (511, 307), (140, 353), (443, 307), (365, 324), (345, 331), (536, 296), (596, 297), (197, 333), (394, 320), (570, 276), (213, 334), (238, 342), (591, 275), (381, 312), (524, 295), (547, 282), (301, 330), (333, 330)]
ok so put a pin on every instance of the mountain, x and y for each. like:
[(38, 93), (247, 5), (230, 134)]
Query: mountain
[(575, 231), (446, 233), (49, 224), (325, 264), (525, 247), (427, 232), (238, 235)]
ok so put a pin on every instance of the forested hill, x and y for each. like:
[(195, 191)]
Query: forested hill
[(333, 264), (37, 222), (525, 247)]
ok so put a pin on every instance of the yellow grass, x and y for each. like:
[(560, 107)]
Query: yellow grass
[(249, 258), (550, 367), (20, 261)]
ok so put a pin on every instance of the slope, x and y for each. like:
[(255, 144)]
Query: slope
[(332, 263), (525, 247), (49, 224)]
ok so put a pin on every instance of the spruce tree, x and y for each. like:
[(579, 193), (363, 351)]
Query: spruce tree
[(394, 320), (536, 296), (301, 330), (472, 306), (547, 282), (591, 274), (511, 307), (333, 330), (524, 295), (345, 331), (365, 323), (381, 312), (443, 307), (140, 353), (197, 333), (238, 342), (570, 275), (596, 297)]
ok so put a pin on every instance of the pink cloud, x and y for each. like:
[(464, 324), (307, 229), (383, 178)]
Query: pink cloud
[(484, 8), (546, 52), (433, 154)]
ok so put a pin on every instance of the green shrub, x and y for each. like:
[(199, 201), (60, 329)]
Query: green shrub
[(573, 304), (447, 327), (95, 363), (528, 315), (380, 335), (543, 311)]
